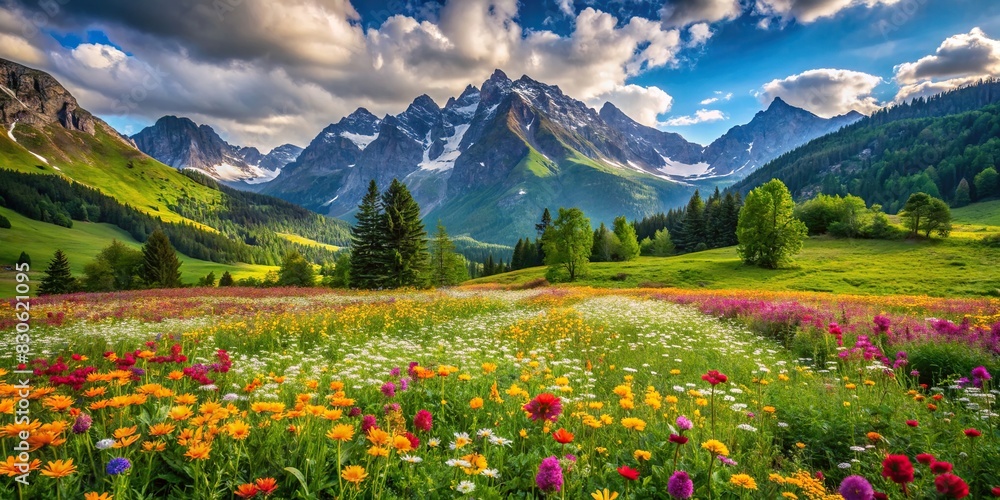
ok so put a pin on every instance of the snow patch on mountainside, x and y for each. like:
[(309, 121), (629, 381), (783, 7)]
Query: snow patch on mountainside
[(672, 167), (446, 161), (361, 141), (10, 132), (264, 175)]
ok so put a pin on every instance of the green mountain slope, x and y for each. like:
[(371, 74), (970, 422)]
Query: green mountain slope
[(927, 145)]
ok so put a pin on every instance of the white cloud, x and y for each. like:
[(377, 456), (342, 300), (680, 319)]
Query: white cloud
[(642, 104), (98, 56), (719, 96), (825, 92), (807, 11), (266, 73), (685, 12), (566, 7), (959, 60), (698, 34), (700, 116)]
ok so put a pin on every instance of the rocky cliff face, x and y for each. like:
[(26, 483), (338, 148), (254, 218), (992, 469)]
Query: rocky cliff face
[(182, 143), (34, 97)]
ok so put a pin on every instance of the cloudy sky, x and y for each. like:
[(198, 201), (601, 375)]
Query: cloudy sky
[(267, 72)]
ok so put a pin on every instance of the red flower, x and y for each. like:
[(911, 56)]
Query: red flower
[(714, 377), (995, 491), (674, 438), (545, 406), (414, 440), (881, 496), (628, 473), (972, 433), (937, 397), (562, 436), (898, 469), (940, 467), (912, 423), (951, 486), (925, 458), (266, 485), (423, 420)]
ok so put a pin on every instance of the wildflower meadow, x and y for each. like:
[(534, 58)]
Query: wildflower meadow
[(487, 393)]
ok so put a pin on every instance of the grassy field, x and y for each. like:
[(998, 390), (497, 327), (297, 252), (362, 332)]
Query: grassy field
[(81, 243), (957, 266), (302, 240)]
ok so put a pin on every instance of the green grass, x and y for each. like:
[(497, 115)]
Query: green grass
[(936, 268), (81, 243), (302, 240)]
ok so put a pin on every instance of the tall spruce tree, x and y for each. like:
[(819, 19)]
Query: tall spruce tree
[(693, 226), (160, 266), (447, 266), (368, 244), (24, 258), (406, 258), (58, 278)]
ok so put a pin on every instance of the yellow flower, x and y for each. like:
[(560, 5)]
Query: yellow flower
[(478, 464), (604, 495), (59, 468), (715, 447), (641, 455), (632, 423), (600, 449), (341, 432), (743, 481), (354, 474), (789, 495), (378, 451), (179, 413), (800, 445), (476, 403), (523, 433)]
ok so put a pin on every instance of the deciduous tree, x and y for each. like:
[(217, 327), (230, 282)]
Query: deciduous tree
[(768, 232)]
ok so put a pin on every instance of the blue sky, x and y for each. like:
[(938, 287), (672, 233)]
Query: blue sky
[(265, 73)]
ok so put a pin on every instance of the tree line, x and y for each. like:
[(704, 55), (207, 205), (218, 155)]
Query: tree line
[(242, 236)]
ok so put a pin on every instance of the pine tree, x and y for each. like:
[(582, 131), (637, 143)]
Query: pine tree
[(160, 266), (406, 258), (226, 279), (693, 227), (367, 242), (544, 224), (517, 260), (447, 267), (58, 277), (24, 258), (962, 196)]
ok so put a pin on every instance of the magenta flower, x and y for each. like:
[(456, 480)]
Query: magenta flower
[(545, 406), (856, 488), (684, 424), (550, 475), (423, 420), (680, 485)]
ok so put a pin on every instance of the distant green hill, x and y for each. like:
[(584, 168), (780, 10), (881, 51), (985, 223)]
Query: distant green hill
[(928, 145)]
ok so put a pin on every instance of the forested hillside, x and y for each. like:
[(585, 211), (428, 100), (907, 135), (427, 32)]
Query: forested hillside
[(944, 145)]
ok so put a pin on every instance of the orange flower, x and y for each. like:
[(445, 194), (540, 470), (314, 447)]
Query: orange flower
[(154, 446), (377, 436), (93, 495), (199, 451), (124, 432), (10, 466), (179, 413), (59, 468), (354, 474), (402, 444), (341, 432), (476, 403), (161, 429), (185, 399), (266, 485), (94, 392), (127, 441), (239, 430), (247, 490), (176, 375), (563, 436), (58, 403)]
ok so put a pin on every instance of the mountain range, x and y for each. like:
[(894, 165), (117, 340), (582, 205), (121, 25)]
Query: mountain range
[(488, 161)]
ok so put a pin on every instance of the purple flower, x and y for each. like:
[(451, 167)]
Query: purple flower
[(549, 476), (979, 375), (680, 485), (395, 372), (388, 389), (684, 424), (404, 384), (856, 488), (915, 373), (726, 460), (82, 423), (391, 407), (117, 466), (882, 324)]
